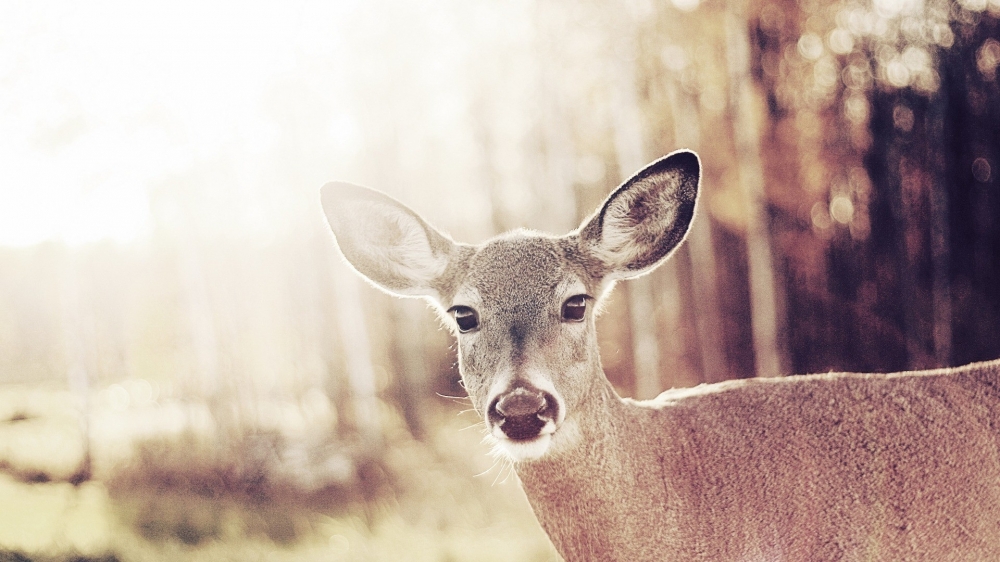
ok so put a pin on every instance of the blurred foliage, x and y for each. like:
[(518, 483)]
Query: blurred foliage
[(192, 497), (884, 256), (14, 556)]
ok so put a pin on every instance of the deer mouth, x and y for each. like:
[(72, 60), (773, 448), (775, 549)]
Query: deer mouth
[(522, 428)]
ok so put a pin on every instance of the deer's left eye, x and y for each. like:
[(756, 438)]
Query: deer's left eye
[(575, 308), (465, 317)]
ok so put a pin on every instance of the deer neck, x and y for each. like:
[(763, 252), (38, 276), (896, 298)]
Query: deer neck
[(593, 497)]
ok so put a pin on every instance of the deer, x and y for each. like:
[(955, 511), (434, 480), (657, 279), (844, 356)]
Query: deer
[(822, 467)]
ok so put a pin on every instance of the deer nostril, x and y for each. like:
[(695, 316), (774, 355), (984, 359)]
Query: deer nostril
[(520, 402)]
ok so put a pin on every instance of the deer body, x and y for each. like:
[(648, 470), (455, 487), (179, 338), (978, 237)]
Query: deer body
[(820, 467), (812, 468)]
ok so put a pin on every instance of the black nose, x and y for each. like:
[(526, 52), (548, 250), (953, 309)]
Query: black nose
[(522, 412)]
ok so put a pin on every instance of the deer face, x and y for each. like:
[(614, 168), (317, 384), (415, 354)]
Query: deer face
[(524, 319), (521, 304)]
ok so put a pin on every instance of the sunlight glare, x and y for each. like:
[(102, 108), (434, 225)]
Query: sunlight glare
[(686, 5), (103, 101)]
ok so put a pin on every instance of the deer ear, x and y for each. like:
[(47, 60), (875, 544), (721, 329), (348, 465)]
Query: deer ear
[(643, 220), (386, 241)]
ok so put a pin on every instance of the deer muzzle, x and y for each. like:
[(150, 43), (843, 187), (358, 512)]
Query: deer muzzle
[(522, 412)]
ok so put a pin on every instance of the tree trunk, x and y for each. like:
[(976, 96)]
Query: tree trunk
[(357, 354), (763, 296)]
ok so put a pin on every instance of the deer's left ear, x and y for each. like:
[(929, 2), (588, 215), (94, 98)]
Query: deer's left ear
[(643, 220)]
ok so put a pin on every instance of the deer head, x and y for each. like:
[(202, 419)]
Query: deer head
[(522, 304)]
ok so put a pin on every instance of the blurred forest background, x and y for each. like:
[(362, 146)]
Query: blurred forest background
[(187, 369)]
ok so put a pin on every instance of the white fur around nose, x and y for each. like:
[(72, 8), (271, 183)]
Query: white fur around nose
[(519, 451)]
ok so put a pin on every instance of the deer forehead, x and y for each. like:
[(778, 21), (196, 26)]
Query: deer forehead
[(521, 274)]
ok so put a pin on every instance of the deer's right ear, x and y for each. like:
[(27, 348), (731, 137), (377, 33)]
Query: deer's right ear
[(386, 241), (643, 220)]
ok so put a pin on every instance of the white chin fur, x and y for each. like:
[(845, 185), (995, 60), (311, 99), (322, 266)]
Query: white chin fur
[(522, 450)]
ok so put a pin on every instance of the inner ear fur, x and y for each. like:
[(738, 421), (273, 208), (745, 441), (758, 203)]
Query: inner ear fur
[(385, 241), (645, 218)]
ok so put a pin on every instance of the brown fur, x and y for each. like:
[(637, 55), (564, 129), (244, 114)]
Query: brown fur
[(809, 468)]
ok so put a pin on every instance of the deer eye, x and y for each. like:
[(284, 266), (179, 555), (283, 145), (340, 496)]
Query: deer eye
[(465, 317), (575, 308)]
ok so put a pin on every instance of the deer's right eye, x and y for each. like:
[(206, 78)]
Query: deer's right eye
[(465, 317)]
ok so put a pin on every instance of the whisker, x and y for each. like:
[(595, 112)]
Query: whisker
[(499, 472), (485, 472), (510, 472)]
